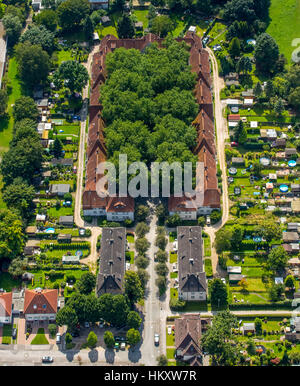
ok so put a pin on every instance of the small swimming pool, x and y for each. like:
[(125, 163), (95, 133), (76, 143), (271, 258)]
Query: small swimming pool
[(292, 163), (283, 188), (257, 239), (50, 230)]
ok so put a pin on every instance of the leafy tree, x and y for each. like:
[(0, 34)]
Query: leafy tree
[(141, 229), (162, 360), (201, 221), (109, 339), (125, 27), (258, 326), (161, 242), (71, 13), (24, 128), (57, 148), (133, 337), (275, 292), (39, 34), (24, 159), (13, 28), (142, 245), (3, 102), (244, 65), (223, 240), (47, 18), (25, 107), (277, 259), (251, 348), (234, 47), (92, 339), (161, 283), (74, 75), (294, 356), (19, 195), (294, 98), (269, 89), (143, 276), (142, 262), (86, 283), (218, 292), (174, 220), (161, 269), (67, 316), (68, 338), (162, 25), (237, 236), (218, 340), (133, 287), (161, 256), (142, 213), (33, 63), (88, 28), (241, 10), (86, 307), (160, 212), (268, 229), (52, 329), (290, 282), (11, 235), (258, 90), (17, 267), (266, 53), (134, 320)]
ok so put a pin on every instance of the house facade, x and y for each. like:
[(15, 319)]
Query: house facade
[(5, 308), (192, 277), (40, 304)]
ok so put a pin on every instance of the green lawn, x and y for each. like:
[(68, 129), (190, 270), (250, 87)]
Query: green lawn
[(64, 56), (142, 16), (6, 335), (173, 258), (7, 282), (207, 248), (130, 239), (130, 256), (40, 337), (171, 353), (14, 92), (170, 338), (284, 25)]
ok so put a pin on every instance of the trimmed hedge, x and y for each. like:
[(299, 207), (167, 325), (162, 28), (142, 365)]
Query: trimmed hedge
[(286, 304)]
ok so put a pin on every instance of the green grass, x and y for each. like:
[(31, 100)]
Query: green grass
[(173, 258), (64, 56), (208, 267), (207, 248), (6, 334), (40, 337), (130, 239), (171, 353), (14, 92), (142, 16), (170, 338), (130, 256), (109, 30), (7, 282), (284, 24), (173, 275)]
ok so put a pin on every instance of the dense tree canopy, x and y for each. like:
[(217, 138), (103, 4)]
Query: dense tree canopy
[(33, 63), (71, 13), (13, 28), (73, 74), (266, 53), (47, 18), (148, 104), (11, 235), (39, 34), (19, 195)]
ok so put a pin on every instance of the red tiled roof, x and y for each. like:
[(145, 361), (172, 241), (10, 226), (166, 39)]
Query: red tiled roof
[(181, 204), (120, 204), (40, 301), (234, 117), (5, 304)]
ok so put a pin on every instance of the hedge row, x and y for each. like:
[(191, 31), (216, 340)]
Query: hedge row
[(286, 304), (68, 246)]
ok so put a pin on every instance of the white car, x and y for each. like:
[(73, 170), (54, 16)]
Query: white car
[(169, 330), (47, 359), (156, 339)]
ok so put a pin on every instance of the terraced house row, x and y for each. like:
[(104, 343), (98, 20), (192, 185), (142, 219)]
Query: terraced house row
[(120, 208)]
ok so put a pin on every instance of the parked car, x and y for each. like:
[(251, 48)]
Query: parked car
[(233, 144), (208, 220), (14, 333), (169, 330), (47, 359), (123, 346), (86, 324), (156, 339), (58, 338)]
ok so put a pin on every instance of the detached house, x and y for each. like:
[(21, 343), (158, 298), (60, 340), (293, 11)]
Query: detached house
[(187, 339), (5, 307), (112, 261), (40, 304), (192, 278)]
